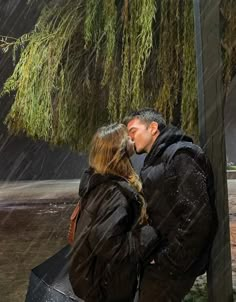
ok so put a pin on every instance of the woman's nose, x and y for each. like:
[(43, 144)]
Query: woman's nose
[(131, 137)]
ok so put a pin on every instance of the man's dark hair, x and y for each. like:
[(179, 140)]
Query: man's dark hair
[(147, 115)]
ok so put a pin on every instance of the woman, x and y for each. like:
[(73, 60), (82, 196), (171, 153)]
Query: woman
[(111, 238)]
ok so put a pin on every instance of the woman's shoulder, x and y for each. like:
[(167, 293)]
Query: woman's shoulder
[(114, 193), (106, 189), (127, 190)]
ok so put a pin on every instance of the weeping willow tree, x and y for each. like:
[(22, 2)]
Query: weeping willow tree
[(89, 62), (228, 12)]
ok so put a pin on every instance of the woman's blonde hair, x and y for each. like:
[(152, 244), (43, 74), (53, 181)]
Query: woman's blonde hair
[(109, 155)]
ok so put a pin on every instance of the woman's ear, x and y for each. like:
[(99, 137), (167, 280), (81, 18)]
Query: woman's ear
[(154, 128)]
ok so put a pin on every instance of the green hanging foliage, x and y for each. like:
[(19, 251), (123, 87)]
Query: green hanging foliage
[(228, 12), (138, 16), (70, 78), (53, 101), (89, 62), (189, 110), (142, 16), (109, 8), (169, 57)]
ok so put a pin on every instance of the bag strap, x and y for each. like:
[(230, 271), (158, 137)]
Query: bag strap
[(73, 223)]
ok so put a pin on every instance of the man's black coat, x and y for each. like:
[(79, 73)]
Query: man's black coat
[(179, 189)]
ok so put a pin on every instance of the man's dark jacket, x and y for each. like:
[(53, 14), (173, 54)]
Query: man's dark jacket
[(179, 190), (110, 243)]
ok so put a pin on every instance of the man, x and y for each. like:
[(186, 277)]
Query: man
[(179, 191)]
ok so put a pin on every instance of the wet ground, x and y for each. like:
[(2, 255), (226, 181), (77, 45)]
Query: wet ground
[(29, 235), (34, 219)]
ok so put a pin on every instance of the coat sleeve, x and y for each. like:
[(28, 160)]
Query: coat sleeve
[(191, 234), (112, 238)]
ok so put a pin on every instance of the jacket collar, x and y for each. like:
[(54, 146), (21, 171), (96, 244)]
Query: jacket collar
[(167, 137), (90, 180)]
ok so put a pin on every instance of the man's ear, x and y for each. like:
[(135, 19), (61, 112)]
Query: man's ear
[(154, 128)]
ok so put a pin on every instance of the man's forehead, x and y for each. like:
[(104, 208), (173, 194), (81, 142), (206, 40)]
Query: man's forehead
[(136, 122)]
